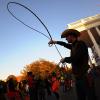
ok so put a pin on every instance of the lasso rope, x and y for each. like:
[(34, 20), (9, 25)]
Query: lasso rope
[(50, 37)]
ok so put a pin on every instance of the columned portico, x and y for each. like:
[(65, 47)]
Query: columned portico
[(96, 46), (98, 31), (90, 33)]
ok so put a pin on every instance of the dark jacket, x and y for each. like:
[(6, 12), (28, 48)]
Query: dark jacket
[(79, 57)]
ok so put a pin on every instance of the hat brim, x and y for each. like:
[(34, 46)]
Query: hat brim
[(68, 32)]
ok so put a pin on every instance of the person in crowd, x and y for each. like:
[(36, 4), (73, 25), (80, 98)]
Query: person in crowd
[(23, 89), (12, 93), (3, 90), (32, 83), (55, 86), (41, 89)]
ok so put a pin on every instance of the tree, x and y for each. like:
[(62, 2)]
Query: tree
[(40, 67)]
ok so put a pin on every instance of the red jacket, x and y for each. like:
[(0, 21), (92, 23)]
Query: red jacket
[(13, 95)]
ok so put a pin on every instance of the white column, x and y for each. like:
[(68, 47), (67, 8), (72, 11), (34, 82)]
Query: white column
[(94, 42), (98, 31)]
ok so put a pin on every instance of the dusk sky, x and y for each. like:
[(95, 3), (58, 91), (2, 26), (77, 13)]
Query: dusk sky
[(20, 45)]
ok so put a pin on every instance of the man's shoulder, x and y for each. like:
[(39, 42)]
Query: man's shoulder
[(81, 42), (81, 45)]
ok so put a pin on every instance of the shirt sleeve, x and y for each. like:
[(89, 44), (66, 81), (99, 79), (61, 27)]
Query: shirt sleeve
[(68, 59), (66, 45)]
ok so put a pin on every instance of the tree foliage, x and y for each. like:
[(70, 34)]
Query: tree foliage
[(40, 67)]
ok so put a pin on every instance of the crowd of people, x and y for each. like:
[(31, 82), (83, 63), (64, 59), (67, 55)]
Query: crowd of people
[(31, 88)]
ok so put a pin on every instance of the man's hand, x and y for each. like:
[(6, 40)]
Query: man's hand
[(62, 60), (52, 42)]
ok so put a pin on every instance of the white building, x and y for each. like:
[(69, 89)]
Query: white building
[(90, 33)]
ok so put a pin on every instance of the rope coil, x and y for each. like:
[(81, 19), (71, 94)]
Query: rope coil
[(50, 37)]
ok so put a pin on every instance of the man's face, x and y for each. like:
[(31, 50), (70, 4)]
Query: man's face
[(69, 38)]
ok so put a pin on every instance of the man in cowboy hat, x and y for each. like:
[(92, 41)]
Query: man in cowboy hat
[(78, 59)]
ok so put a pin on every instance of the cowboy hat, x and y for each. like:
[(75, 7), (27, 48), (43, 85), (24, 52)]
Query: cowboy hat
[(68, 32)]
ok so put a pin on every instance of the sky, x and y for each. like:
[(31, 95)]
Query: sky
[(20, 46)]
